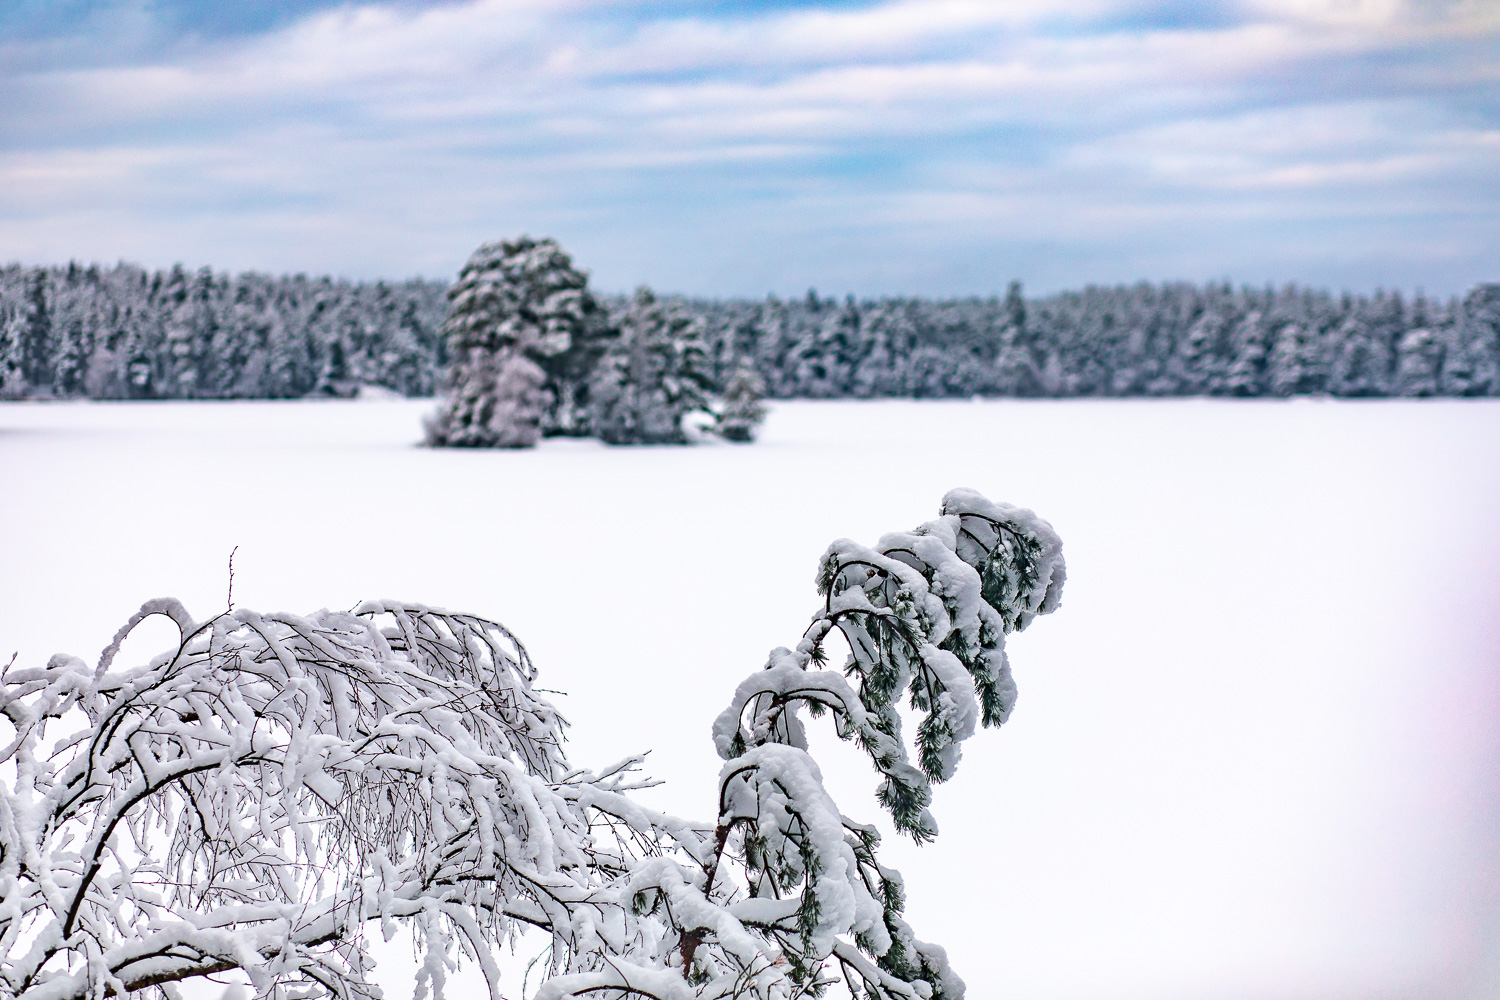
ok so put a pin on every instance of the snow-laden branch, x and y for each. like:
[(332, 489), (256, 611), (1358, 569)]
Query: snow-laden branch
[(259, 796), (925, 614), (253, 797)]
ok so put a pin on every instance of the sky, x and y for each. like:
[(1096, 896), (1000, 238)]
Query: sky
[(936, 147)]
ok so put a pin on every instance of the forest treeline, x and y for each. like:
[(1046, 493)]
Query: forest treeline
[(127, 333)]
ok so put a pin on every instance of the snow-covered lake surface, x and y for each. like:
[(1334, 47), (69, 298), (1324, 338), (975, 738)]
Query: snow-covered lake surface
[(1255, 754)]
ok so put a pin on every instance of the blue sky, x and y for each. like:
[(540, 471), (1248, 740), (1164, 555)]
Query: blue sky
[(913, 146)]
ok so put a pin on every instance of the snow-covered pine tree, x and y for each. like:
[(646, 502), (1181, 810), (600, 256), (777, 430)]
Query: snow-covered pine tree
[(776, 342), (12, 384), (883, 326), (405, 362), (1199, 362), (73, 327), (252, 799), (653, 377), (1471, 364), (1247, 368), (1287, 365), (1013, 312), (1015, 361), (824, 358), (35, 336), (500, 403), (1419, 358), (514, 301), (1362, 360), (741, 411), (180, 314)]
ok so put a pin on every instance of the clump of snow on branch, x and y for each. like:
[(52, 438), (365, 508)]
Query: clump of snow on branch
[(277, 786)]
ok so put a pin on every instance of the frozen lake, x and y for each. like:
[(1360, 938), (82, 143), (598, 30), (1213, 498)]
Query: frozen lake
[(1255, 753)]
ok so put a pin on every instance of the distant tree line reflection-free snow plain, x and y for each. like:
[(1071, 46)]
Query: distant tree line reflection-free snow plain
[(127, 333)]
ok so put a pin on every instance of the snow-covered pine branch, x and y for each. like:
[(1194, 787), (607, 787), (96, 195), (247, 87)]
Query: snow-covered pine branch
[(258, 797), (924, 614)]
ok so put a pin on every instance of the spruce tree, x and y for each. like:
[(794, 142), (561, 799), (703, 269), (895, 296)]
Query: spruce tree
[(886, 331), (1198, 364), (35, 336), (824, 355), (742, 412), (12, 385), (1247, 369), (1471, 366), (518, 300), (1288, 362), (654, 376), (1362, 361), (1418, 360)]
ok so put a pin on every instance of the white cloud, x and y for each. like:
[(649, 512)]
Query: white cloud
[(1003, 122)]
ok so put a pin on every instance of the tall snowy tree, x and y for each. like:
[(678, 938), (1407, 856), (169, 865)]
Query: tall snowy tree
[(741, 411), (1471, 365), (653, 377), (254, 798), (500, 403), (825, 357), (1247, 368), (1290, 369), (1199, 365), (1362, 360), (519, 300), (1419, 358), (887, 330), (35, 336), (1016, 372), (12, 384)]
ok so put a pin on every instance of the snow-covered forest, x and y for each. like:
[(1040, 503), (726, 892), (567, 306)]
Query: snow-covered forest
[(128, 333)]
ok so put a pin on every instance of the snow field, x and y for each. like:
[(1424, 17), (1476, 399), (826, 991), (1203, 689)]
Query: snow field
[(1253, 754)]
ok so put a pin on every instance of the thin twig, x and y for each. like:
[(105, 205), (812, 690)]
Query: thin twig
[(231, 576)]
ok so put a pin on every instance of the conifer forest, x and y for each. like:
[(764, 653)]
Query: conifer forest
[(124, 332)]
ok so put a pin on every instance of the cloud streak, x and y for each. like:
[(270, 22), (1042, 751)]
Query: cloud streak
[(937, 146)]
